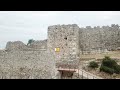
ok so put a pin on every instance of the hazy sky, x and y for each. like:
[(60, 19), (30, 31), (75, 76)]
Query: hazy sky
[(24, 25)]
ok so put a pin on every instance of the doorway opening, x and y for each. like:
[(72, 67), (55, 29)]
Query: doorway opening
[(66, 74)]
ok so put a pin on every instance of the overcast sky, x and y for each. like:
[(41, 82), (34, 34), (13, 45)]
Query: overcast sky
[(25, 25)]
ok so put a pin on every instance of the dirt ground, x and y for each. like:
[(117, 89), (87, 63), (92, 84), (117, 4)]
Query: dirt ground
[(87, 58), (102, 74), (112, 54)]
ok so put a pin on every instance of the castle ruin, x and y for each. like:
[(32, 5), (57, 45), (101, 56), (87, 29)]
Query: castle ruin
[(62, 49)]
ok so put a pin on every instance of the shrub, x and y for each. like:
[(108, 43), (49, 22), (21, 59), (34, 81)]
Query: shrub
[(110, 66), (107, 61), (93, 64), (106, 69), (117, 69)]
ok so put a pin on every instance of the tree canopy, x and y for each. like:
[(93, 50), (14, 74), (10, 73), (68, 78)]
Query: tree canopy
[(30, 41)]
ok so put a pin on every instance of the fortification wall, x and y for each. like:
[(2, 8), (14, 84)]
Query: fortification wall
[(20, 46), (16, 45), (99, 39), (27, 65), (87, 40), (66, 38), (42, 44), (21, 61)]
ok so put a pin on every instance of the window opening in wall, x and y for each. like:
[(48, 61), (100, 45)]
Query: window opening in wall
[(65, 38)]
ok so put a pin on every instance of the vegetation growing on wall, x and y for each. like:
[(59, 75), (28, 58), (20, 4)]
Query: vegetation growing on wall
[(30, 41)]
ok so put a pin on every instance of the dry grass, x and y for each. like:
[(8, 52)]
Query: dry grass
[(112, 54)]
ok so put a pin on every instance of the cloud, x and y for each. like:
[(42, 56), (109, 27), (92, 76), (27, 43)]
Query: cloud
[(23, 25)]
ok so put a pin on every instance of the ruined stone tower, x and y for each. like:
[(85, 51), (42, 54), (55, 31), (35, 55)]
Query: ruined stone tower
[(63, 41)]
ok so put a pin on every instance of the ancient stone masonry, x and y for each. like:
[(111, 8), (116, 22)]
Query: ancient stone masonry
[(18, 45), (96, 40), (62, 48), (66, 38), (19, 61), (27, 65), (42, 44)]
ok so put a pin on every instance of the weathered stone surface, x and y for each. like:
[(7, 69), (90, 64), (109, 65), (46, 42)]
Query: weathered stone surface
[(42, 44), (16, 45), (98, 40), (27, 64), (38, 60), (20, 46), (65, 37)]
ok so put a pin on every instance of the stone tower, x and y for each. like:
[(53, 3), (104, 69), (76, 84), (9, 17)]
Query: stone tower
[(63, 41)]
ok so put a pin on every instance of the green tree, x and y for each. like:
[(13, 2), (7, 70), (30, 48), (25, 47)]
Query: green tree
[(30, 41)]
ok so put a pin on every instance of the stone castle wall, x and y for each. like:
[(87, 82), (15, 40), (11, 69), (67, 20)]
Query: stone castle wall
[(91, 40), (66, 38), (20, 46), (19, 61), (42, 44), (39, 59), (99, 39), (27, 65), (16, 45)]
